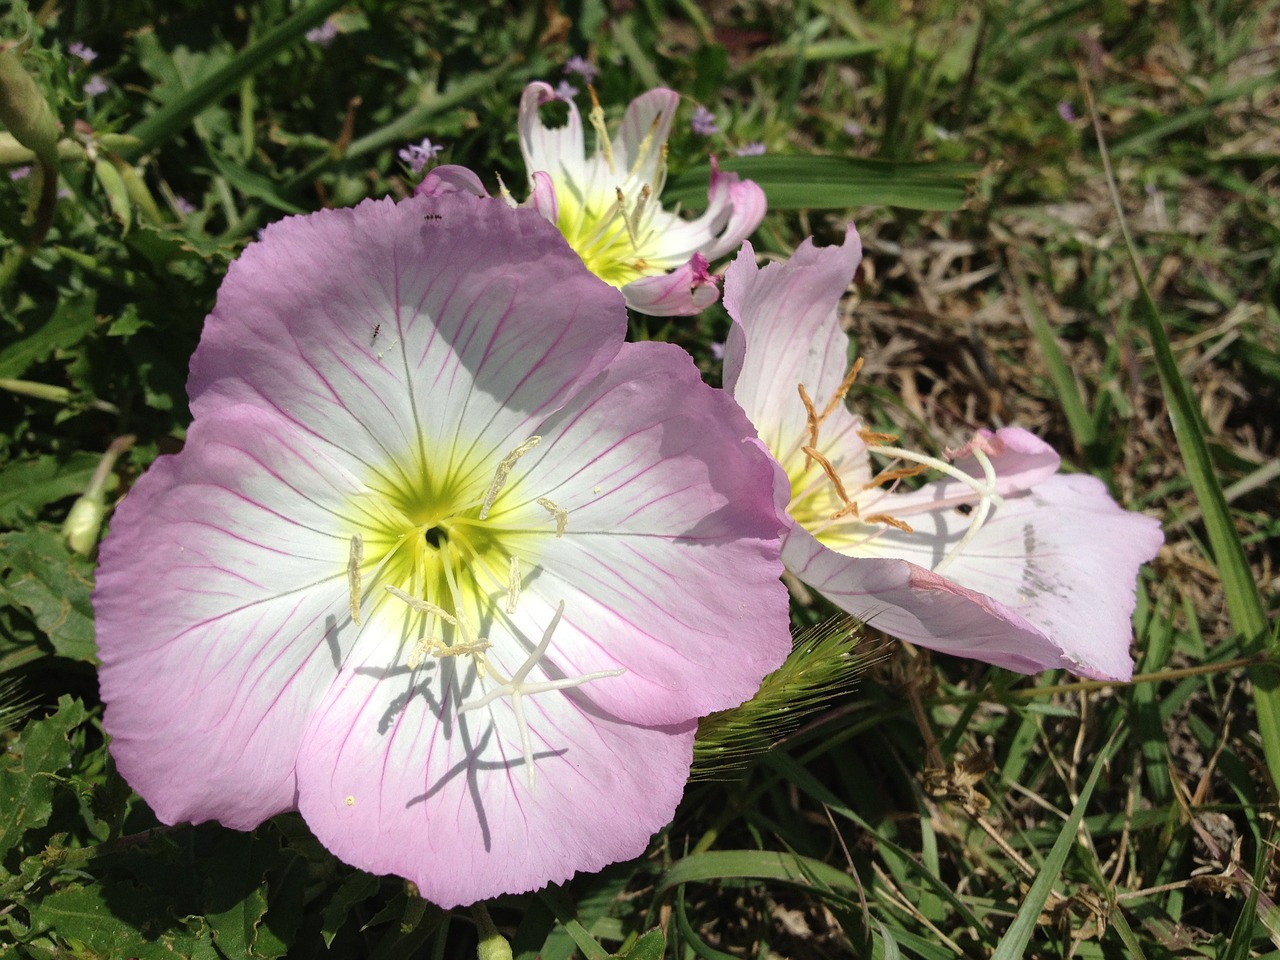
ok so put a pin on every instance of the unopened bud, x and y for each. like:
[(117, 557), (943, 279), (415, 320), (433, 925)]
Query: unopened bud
[(84, 522)]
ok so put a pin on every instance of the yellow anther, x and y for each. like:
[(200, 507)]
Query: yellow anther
[(354, 559), (626, 218), (504, 470), (888, 521), (849, 508), (596, 118), (513, 584), (892, 476), (872, 438), (422, 606), (559, 512)]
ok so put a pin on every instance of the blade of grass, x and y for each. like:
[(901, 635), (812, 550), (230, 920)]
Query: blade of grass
[(1064, 381), (1243, 602), (1013, 945), (810, 182), (174, 116)]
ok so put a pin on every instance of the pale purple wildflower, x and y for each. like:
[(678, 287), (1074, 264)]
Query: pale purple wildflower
[(442, 562), (704, 122), (184, 206), (853, 128), (418, 155), (96, 85), (607, 203), (566, 91), (1066, 112), (1004, 559), (753, 149), (20, 173), (323, 35), (85, 53), (582, 67)]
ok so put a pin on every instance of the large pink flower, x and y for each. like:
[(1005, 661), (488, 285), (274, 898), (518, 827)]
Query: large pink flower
[(442, 564), (607, 202), (1005, 560)]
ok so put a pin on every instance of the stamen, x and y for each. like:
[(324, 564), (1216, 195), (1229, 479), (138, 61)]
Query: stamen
[(638, 213), (504, 470), (849, 506), (560, 513), (596, 119), (843, 390), (513, 584), (893, 476), (815, 419), (889, 521), (425, 647), (871, 437), (626, 218), (811, 415), (422, 606), (517, 689), (354, 559), (646, 145)]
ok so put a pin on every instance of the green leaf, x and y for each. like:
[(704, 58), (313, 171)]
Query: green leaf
[(29, 768), (71, 322), (174, 116), (650, 946), (29, 485), (54, 585), (84, 915), (808, 182), (255, 185), (355, 889)]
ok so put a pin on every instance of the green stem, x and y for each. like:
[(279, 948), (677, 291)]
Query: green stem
[(493, 945)]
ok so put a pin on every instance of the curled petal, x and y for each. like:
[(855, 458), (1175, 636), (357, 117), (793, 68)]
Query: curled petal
[(558, 150), (683, 292), (543, 196), (450, 178), (746, 203)]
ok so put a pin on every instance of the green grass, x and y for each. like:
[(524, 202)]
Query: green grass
[(935, 808)]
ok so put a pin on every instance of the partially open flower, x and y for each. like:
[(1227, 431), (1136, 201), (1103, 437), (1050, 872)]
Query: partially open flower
[(1003, 559), (606, 203), (442, 563)]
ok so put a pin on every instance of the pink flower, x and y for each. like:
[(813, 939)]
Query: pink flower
[(704, 122), (418, 155), (442, 564), (1004, 559), (83, 52), (582, 67), (607, 205)]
